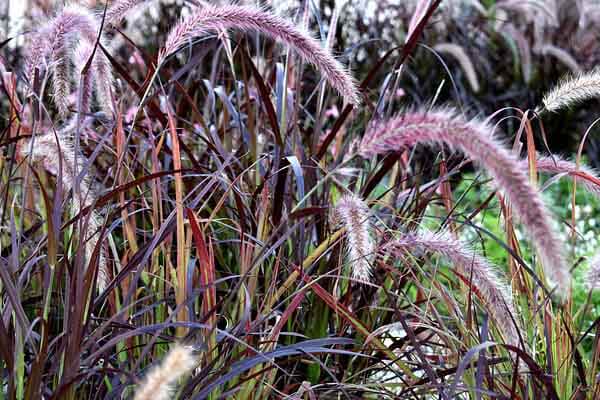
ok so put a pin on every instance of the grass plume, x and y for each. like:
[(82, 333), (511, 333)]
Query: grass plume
[(475, 139), (247, 18), (353, 214), (485, 281), (83, 52), (572, 90), (54, 48), (592, 276), (160, 381), (46, 150), (557, 165), (119, 9), (463, 59)]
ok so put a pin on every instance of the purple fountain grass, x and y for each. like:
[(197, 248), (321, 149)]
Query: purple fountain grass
[(103, 81), (248, 18), (459, 53), (53, 48), (82, 53), (558, 165), (573, 90), (119, 9), (592, 276), (475, 139), (354, 215), (160, 381), (485, 281), (46, 150)]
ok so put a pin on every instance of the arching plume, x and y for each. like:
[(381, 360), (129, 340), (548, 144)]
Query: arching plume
[(459, 53), (573, 90), (53, 48), (47, 148), (247, 18), (556, 165), (474, 138), (592, 276), (483, 278), (119, 9)]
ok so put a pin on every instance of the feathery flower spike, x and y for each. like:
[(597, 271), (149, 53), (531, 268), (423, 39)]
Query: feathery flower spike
[(103, 80), (53, 47), (83, 51), (118, 9), (592, 276), (46, 151), (557, 165), (351, 212), (573, 90), (474, 138), (473, 269), (248, 18), (459, 53), (160, 381)]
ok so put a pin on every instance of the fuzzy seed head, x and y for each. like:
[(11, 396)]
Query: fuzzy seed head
[(247, 18), (82, 53), (459, 53), (573, 90), (475, 139), (558, 165), (160, 381), (56, 153), (54, 47), (119, 9), (484, 279), (351, 212), (592, 277)]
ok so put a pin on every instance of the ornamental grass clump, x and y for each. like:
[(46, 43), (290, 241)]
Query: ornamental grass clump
[(475, 139), (236, 221)]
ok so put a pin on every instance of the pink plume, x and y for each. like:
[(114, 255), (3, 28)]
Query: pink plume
[(53, 48), (557, 165), (473, 269), (246, 18), (352, 213), (592, 277), (475, 139), (55, 152)]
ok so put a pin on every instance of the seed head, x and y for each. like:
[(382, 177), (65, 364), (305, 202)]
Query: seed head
[(351, 212), (475, 139)]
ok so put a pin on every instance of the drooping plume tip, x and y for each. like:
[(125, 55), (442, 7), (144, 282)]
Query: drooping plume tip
[(476, 271), (248, 18)]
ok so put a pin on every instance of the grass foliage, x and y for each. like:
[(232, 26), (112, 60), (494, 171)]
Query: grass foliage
[(230, 209)]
